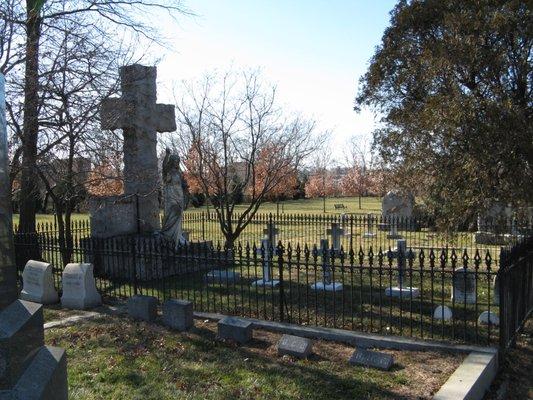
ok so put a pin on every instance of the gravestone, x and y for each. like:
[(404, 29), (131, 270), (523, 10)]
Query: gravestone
[(140, 118), (79, 288), (487, 317), (265, 252), (38, 283), (400, 253), (327, 274), (236, 329), (397, 205), (464, 286), (178, 314), (295, 346), (336, 233), (25, 371), (373, 359), (443, 312), (143, 307)]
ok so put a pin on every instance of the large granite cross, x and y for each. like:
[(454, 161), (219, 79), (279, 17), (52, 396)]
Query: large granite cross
[(140, 117)]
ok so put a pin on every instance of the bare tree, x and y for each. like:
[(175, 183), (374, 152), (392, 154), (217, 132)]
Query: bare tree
[(228, 124), (359, 161)]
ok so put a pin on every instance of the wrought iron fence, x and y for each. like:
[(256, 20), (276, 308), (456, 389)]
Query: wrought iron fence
[(515, 281), (388, 291)]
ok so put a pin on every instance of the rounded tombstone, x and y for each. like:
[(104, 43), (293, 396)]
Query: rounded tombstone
[(38, 283), (397, 204), (487, 317), (443, 312)]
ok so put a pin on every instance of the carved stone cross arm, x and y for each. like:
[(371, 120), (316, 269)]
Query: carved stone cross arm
[(117, 113)]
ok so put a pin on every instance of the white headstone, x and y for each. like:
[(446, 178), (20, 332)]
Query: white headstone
[(79, 288), (464, 286), (443, 312), (38, 283), (487, 316)]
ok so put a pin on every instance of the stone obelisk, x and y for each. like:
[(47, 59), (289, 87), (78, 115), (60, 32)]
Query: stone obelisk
[(8, 271)]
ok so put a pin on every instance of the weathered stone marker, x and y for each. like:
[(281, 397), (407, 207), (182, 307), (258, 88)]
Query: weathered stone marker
[(295, 346), (488, 317), (140, 117), (271, 233), (464, 286), (178, 314), (79, 288), (25, 371), (373, 359), (38, 283), (443, 312), (236, 329), (336, 233), (142, 307)]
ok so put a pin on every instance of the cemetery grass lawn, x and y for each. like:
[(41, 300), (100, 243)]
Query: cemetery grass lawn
[(303, 206), (117, 358)]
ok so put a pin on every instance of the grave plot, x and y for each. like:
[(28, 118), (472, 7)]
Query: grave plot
[(118, 357)]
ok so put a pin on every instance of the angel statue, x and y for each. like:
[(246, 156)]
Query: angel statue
[(175, 197)]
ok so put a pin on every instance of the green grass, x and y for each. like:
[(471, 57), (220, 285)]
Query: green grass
[(115, 358)]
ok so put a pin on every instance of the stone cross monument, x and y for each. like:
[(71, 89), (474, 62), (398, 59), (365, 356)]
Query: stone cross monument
[(8, 272), (140, 117)]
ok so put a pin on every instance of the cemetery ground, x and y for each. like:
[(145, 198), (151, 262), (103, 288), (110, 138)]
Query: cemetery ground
[(116, 357)]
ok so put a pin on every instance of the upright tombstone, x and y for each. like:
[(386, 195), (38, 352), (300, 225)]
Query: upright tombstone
[(336, 233), (398, 205), (79, 288), (28, 369), (464, 286), (38, 283), (396, 209), (140, 118), (266, 251)]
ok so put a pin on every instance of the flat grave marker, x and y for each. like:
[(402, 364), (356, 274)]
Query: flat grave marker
[(372, 359), (295, 346)]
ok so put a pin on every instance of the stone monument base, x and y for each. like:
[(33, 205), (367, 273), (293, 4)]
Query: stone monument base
[(404, 291), (328, 287), (262, 282), (149, 257)]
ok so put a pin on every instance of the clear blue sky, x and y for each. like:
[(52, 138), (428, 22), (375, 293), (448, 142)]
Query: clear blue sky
[(314, 51)]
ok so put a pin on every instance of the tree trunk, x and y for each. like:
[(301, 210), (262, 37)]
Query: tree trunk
[(29, 179)]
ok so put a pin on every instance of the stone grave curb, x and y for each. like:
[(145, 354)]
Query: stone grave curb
[(358, 339), (471, 379)]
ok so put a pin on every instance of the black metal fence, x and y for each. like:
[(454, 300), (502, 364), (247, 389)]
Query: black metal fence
[(515, 278), (380, 291), (422, 286)]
